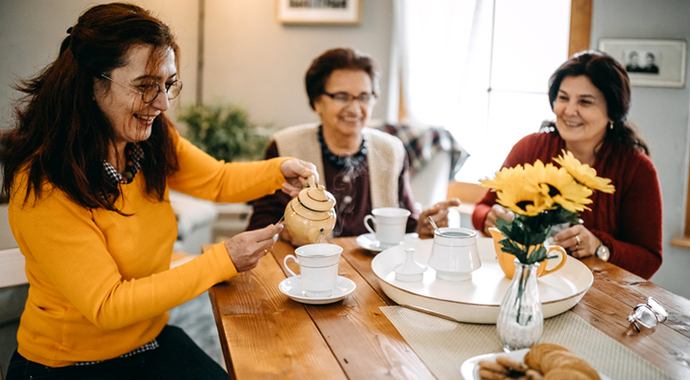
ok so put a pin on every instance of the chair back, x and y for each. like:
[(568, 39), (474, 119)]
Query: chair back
[(12, 268)]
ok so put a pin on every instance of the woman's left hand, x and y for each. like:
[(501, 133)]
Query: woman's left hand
[(296, 172), (578, 241), (440, 214)]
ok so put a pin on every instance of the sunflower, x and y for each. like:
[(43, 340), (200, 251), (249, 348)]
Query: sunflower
[(542, 195), (522, 200), (583, 173), (506, 178), (557, 186)]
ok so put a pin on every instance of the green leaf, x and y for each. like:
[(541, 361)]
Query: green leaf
[(526, 232), (225, 131)]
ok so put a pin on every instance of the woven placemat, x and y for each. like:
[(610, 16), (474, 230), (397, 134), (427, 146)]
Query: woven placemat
[(443, 345)]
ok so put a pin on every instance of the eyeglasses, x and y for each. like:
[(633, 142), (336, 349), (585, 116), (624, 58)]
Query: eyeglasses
[(648, 315), (150, 91), (344, 99)]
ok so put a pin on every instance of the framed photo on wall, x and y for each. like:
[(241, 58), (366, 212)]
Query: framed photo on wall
[(654, 63), (319, 11)]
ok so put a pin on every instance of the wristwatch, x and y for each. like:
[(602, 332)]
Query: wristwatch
[(603, 252)]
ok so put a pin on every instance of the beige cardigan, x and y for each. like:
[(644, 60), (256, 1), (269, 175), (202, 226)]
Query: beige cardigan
[(385, 158)]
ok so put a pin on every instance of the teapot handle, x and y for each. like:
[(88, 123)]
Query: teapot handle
[(311, 181)]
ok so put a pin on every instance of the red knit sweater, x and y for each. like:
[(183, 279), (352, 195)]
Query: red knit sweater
[(627, 221)]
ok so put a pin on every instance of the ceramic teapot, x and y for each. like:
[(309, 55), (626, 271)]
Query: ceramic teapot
[(310, 216)]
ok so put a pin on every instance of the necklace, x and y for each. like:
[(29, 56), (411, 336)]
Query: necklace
[(133, 156), (347, 161), (129, 172)]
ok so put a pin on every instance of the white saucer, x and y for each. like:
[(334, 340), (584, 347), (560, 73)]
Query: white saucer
[(470, 368), (292, 287), (368, 241)]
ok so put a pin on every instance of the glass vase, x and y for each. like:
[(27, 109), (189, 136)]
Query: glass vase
[(520, 320)]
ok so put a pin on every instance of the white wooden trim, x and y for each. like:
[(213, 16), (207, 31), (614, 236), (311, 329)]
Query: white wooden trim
[(12, 270)]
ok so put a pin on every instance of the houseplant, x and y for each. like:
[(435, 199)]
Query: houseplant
[(225, 132), (540, 196)]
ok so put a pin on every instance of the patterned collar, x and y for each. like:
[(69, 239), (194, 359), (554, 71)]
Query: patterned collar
[(348, 161), (134, 155)]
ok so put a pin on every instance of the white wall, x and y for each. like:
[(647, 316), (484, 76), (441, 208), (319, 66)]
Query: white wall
[(661, 114), (31, 32), (250, 58), (253, 59)]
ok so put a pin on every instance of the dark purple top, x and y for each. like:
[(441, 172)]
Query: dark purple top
[(351, 191)]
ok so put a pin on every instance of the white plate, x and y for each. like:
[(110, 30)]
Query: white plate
[(368, 241), (476, 300), (470, 368), (292, 287)]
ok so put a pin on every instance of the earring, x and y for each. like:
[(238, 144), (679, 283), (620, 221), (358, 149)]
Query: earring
[(611, 125)]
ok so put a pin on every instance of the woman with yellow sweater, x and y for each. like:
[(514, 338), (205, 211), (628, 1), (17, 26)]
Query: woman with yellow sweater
[(88, 176)]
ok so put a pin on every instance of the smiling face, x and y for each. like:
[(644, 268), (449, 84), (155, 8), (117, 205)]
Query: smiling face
[(581, 113), (132, 119), (345, 121)]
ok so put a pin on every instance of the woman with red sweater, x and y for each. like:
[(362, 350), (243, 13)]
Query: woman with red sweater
[(590, 95)]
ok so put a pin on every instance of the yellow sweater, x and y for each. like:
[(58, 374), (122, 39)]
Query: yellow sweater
[(100, 283)]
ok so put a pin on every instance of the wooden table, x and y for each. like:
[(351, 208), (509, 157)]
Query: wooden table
[(266, 335)]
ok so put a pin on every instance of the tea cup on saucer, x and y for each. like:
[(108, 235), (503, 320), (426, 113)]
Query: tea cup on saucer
[(318, 268), (389, 224)]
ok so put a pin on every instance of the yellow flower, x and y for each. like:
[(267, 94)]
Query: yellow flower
[(506, 178), (583, 173), (557, 186), (522, 200)]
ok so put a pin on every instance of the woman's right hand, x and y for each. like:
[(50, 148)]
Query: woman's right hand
[(296, 173), (497, 211), (247, 248)]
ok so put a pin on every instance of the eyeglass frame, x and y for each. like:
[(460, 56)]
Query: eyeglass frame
[(351, 98), (657, 309), (167, 88)]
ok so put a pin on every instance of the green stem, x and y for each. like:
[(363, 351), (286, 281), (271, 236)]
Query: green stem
[(521, 289)]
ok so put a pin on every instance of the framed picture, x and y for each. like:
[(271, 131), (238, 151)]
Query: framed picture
[(319, 11), (655, 63)]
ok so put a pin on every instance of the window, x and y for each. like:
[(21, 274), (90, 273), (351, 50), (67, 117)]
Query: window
[(505, 96), (480, 68)]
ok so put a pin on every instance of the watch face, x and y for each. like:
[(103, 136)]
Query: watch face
[(603, 253)]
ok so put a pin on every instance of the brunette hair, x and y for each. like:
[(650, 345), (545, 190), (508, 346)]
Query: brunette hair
[(610, 77), (62, 137), (338, 59)]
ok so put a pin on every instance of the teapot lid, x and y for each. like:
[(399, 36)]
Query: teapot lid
[(315, 197)]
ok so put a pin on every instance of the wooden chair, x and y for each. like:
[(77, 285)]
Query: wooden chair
[(469, 194)]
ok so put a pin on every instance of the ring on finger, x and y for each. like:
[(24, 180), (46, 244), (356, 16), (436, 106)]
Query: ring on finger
[(577, 237)]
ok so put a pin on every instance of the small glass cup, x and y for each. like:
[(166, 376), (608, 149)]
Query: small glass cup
[(648, 315)]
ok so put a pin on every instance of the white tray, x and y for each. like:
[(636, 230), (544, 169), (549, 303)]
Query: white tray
[(478, 300)]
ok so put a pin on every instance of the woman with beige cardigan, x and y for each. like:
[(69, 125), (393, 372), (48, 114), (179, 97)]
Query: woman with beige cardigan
[(362, 167)]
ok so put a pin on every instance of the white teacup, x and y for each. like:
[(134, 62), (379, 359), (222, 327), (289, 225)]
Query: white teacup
[(389, 225), (454, 254), (318, 268)]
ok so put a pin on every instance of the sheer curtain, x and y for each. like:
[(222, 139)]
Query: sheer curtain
[(479, 68), (429, 55)]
